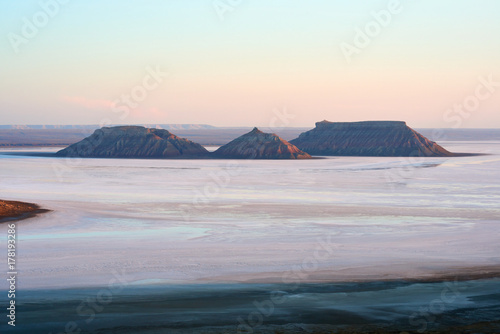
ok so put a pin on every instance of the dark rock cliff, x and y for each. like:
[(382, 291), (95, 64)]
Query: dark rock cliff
[(375, 138), (133, 142), (259, 145)]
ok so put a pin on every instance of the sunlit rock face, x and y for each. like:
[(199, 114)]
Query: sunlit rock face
[(134, 142), (374, 138), (259, 145)]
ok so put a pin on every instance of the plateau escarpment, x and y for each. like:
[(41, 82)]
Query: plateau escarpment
[(133, 142), (259, 145), (372, 138)]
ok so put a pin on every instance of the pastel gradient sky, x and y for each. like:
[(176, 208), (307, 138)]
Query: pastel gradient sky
[(263, 56)]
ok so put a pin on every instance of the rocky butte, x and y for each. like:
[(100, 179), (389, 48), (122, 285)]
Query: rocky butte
[(372, 138), (133, 142), (259, 145)]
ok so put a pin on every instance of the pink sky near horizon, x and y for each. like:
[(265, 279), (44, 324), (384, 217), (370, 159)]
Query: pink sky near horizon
[(262, 57)]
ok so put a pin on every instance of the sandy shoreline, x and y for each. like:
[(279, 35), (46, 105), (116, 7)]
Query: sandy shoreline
[(14, 210), (363, 275)]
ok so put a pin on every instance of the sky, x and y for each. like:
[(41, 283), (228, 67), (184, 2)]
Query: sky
[(250, 62)]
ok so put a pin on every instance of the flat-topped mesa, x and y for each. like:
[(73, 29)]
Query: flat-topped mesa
[(365, 124), (133, 142), (371, 138), (259, 145)]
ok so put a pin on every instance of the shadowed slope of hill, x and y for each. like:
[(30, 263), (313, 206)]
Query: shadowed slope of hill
[(376, 138), (259, 145), (133, 142)]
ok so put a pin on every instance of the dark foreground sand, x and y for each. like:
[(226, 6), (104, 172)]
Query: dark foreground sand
[(339, 308), (12, 210)]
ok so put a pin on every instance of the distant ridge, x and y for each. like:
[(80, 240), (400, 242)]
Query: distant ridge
[(180, 126), (95, 127), (371, 138), (216, 136)]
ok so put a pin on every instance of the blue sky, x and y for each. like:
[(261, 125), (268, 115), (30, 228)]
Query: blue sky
[(262, 56)]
